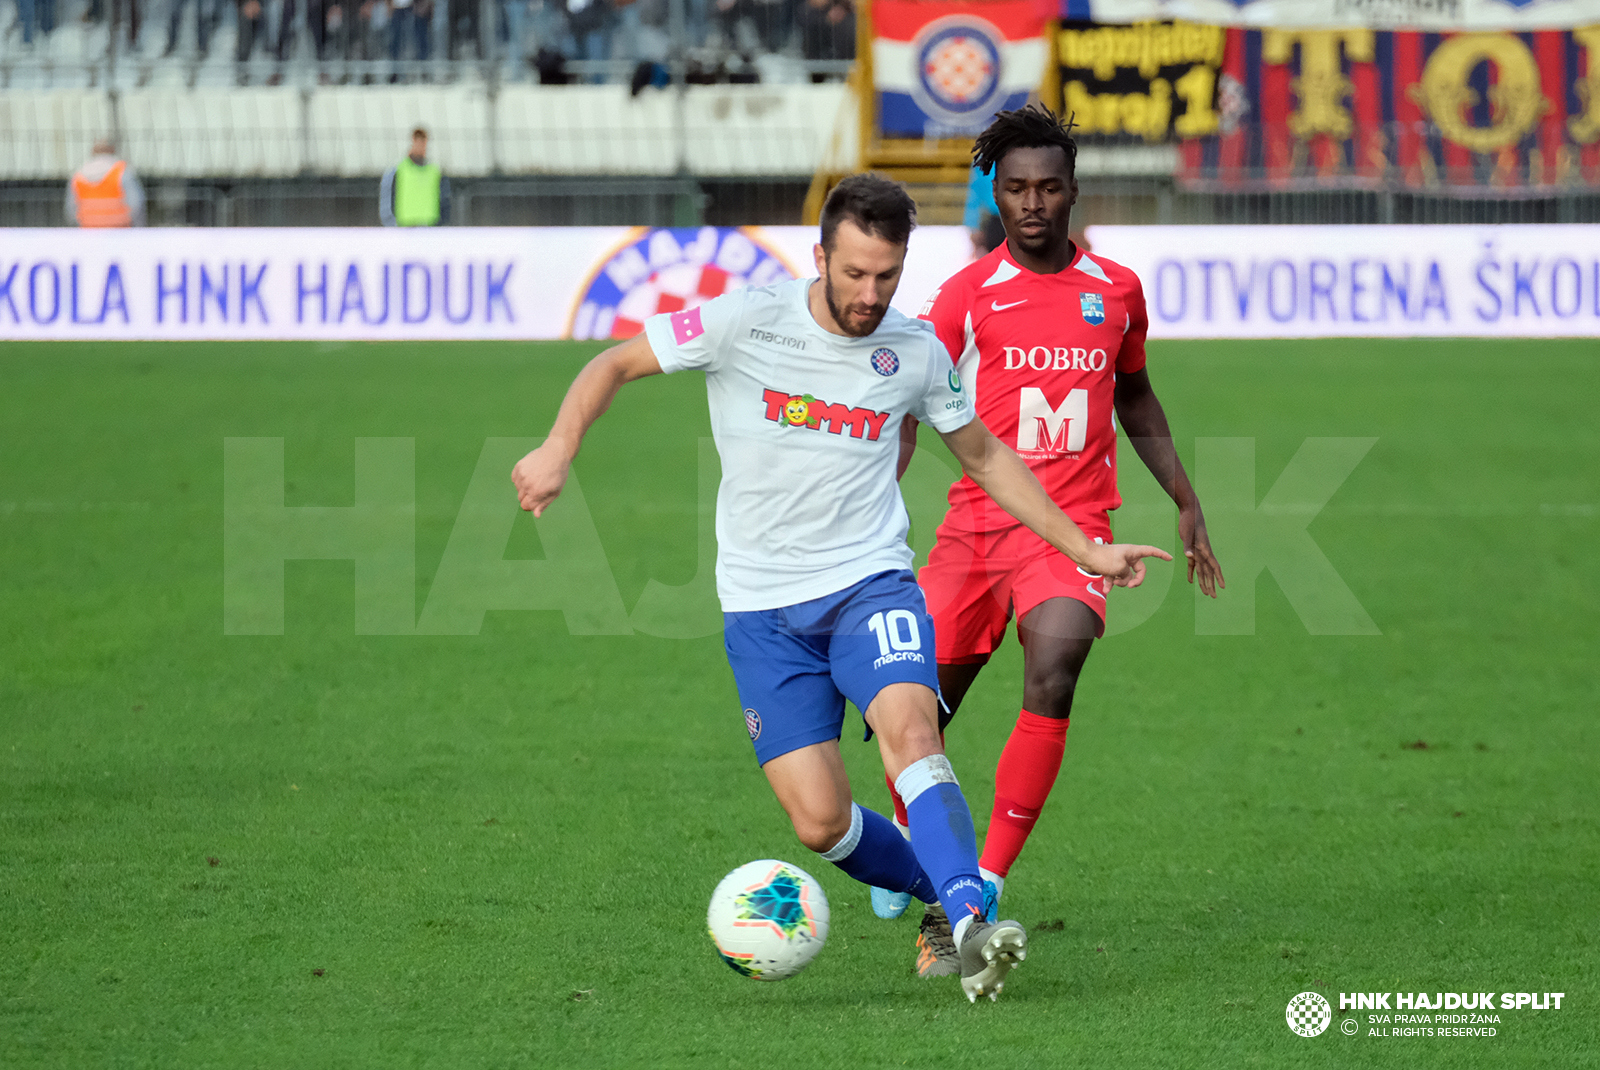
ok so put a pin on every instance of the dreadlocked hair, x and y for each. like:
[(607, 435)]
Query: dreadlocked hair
[(1031, 127)]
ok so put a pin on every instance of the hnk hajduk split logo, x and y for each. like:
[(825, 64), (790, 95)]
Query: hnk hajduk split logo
[(1309, 1014)]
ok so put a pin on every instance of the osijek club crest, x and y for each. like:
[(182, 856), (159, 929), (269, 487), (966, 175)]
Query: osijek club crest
[(1094, 309)]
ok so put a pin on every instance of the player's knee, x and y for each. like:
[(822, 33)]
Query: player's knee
[(922, 741), (821, 832), (1049, 692)]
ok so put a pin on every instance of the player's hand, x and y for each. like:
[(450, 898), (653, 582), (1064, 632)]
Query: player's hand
[(1197, 551), (1121, 564), (540, 476)]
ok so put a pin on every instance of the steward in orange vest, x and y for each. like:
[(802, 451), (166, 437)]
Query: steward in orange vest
[(105, 192)]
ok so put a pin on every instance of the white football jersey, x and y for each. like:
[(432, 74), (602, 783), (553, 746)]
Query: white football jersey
[(808, 427)]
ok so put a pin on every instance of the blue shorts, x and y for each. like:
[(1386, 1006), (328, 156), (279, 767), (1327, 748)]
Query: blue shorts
[(796, 665)]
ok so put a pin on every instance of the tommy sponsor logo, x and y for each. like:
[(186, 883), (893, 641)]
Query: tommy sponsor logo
[(803, 410), (1061, 359), (772, 338)]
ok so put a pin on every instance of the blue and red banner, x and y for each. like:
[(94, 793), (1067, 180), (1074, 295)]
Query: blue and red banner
[(1359, 107), (1432, 15), (943, 68)]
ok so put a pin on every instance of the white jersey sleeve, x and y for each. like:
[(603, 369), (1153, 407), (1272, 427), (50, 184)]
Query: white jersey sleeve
[(698, 337), (944, 402)]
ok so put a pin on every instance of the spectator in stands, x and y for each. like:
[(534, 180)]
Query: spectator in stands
[(462, 22), (367, 33), (413, 192), (697, 15), (827, 30), (770, 23), (647, 38), (591, 23), (413, 19), (127, 15), (105, 192), (327, 22), (513, 26), (252, 25), (347, 29), (552, 40), (205, 21), (36, 15)]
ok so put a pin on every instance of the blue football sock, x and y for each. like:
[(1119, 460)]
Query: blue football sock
[(874, 852), (941, 834)]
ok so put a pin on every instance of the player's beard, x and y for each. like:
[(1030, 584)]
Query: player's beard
[(1046, 242), (844, 315)]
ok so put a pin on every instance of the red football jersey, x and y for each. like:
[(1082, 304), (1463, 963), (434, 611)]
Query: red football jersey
[(1039, 355)]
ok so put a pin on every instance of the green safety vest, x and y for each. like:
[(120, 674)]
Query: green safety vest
[(416, 194)]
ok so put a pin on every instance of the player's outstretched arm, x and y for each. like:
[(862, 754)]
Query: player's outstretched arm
[(540, 475), (1142, 417), (1005, 478)]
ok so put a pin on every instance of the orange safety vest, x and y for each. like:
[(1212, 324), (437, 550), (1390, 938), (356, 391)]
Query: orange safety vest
[(101, 204)]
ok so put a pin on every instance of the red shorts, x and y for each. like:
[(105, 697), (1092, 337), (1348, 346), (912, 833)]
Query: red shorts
[(977, 581)]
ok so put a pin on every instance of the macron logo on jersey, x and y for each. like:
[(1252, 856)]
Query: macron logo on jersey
[(803, 410), (686, 326)]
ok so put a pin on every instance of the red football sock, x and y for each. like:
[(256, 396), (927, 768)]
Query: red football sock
[(901, 818), (1022, 781)]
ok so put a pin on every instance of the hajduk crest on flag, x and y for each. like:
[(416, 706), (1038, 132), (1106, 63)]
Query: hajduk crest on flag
[(944, 69)]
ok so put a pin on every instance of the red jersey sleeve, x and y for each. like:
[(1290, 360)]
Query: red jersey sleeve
[(946, 309), (1130, 358)]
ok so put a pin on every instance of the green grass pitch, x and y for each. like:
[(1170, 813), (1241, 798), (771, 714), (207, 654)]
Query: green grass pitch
[(324, 849)]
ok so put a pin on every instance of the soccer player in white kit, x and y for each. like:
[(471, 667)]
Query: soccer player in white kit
[(808, 382)]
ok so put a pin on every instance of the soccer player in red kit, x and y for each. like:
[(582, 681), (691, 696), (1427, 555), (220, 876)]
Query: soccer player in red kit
[(1049, 340)]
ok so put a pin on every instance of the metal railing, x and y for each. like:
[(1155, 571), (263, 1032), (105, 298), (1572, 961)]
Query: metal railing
[(610, 200), (599, 200)]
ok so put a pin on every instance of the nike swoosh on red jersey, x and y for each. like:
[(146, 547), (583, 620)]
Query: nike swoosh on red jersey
[(998, 307)]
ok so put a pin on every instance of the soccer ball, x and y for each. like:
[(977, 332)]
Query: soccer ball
[(768, 919)]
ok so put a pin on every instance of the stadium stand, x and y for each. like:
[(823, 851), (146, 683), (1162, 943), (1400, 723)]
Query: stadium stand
[(212, 43)]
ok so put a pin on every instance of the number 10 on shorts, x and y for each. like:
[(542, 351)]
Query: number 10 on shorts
[(896, 631)]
